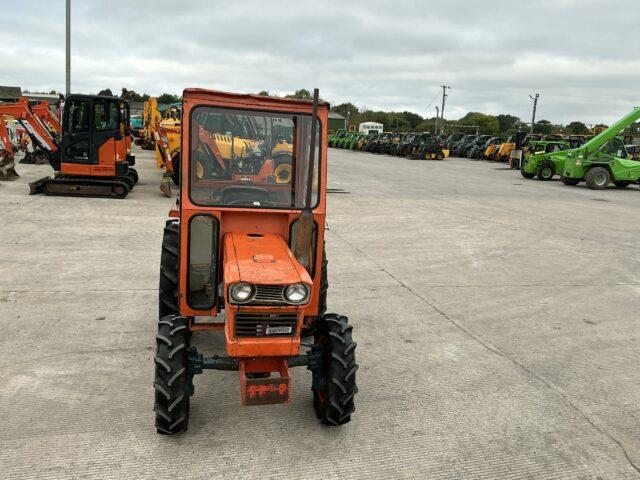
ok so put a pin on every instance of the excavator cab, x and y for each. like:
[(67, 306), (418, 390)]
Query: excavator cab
[(244, 242), (93, 157), (96, 137)]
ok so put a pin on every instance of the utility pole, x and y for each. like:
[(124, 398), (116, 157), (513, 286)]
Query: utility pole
[(535, 106), (435, 131), (348, 117), (68, 50), (444, 100)]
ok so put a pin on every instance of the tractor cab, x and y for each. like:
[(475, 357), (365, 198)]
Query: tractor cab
[(247, 239)]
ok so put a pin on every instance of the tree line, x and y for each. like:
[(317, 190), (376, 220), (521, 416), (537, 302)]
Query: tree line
[(503, 124)]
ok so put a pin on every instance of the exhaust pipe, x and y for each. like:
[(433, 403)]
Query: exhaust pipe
[(304, 240)]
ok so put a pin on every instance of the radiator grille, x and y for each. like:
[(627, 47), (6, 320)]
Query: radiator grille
[(269, 294), (265, 324)]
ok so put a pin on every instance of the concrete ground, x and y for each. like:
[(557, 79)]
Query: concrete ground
[(496, 321)]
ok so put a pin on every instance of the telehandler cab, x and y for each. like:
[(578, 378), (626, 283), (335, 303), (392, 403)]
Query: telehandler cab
[(241, 243)]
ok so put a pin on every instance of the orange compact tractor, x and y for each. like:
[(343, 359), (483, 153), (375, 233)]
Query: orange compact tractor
[(244, 254), (93, 155)]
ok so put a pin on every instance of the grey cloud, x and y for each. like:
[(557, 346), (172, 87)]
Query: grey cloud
[(581, 56)]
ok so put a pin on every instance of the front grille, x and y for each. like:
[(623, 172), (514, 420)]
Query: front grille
[(269, 295), (257, 324)]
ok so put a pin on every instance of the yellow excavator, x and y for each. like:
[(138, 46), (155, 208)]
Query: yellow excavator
[(151, 118)]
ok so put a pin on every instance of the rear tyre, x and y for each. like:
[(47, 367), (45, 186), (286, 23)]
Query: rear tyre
[(169, 261), (598, 178), (333, 397), (171, 378), (545, 171)]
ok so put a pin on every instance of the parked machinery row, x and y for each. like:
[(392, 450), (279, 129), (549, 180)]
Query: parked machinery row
[(415, 145)]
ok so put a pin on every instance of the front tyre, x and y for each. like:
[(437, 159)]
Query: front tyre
[(335, 384), (545, 171), (171, 376)]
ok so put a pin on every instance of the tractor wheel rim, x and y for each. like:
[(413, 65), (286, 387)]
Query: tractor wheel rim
[(546, 172), (283, 173), (601, 179)]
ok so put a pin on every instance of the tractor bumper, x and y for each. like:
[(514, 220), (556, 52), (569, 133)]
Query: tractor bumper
[(264, 381)]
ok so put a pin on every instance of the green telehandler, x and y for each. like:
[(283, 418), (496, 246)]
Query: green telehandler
[(537, 163), (603, 159)]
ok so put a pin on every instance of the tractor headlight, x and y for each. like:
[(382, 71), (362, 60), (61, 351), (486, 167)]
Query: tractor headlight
[(298, 293), (241, 292)]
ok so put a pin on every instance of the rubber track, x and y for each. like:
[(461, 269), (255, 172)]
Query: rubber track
[(87, 182)]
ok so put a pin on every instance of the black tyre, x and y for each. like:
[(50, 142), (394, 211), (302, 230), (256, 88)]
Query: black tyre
[(175, 164), (545, 171), (169, 261), (570, 181), (171, 382), (133, 173), (334, 392), (598, 178), (526, 174), (621, 184)]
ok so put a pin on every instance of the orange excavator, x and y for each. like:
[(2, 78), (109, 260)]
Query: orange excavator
[(42, 112), (92, 155), (39, 129)]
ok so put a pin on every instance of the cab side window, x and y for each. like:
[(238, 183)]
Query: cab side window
[(78, 116), (106, 115)]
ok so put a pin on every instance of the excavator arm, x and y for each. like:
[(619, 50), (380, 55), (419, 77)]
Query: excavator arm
[(38, 132)]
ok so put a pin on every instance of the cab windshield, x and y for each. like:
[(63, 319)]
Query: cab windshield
[(251, 159)]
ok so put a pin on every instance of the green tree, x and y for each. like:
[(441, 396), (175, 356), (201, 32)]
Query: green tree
[(106, 91), (166, 98), (577, 128), (488, 124), (263, 93), (132, 96), (302, 93), (343, 108), (413, 119), (543, 126), (508, 123)]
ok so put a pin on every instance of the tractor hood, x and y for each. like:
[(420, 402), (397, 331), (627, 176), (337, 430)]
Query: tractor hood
[(261, 259)]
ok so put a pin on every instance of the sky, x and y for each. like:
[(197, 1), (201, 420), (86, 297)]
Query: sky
[(581, 56)]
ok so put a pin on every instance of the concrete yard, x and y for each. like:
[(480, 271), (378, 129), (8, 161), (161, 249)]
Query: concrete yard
[(496, 321)]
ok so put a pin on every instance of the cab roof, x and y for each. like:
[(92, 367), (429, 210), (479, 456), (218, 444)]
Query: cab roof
[(250, 99)]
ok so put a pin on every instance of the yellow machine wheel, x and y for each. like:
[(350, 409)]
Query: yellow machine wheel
[(199, 170), (283, 173)]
